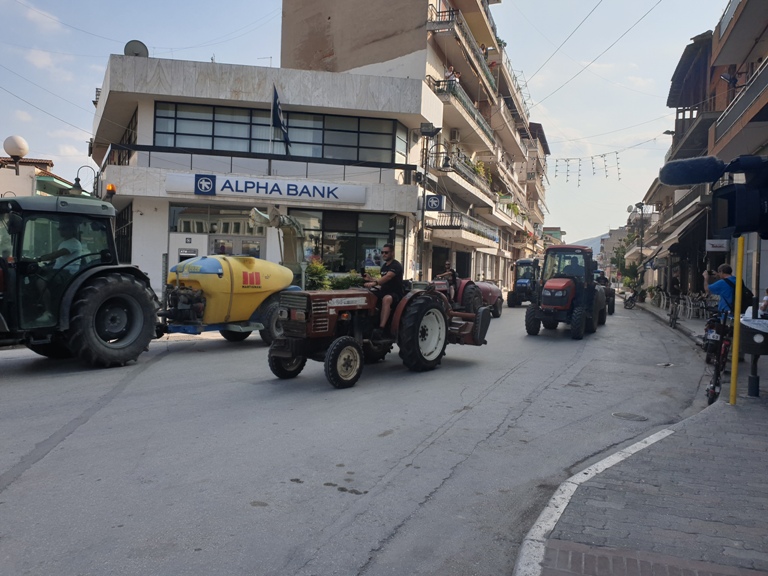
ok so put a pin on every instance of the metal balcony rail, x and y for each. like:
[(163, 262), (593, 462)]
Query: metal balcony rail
[(745, 99), (464, 168), (452, 20), (453, 88), (460, 221), (516, 83)]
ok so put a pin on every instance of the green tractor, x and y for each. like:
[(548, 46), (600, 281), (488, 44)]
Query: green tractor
[(62, 291)]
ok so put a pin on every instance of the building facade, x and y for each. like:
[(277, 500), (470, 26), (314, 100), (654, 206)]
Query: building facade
[(376, 130)]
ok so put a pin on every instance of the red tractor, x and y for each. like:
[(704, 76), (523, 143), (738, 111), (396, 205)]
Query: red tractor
[(568, 293), (337, 328)]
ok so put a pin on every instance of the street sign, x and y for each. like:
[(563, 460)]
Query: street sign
[(435, 203)]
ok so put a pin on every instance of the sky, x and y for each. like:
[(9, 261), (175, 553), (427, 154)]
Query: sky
[(596, 74)]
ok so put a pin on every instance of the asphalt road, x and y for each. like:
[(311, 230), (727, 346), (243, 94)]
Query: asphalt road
[(197, 461)]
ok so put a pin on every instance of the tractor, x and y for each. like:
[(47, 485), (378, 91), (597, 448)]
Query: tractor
[(337, 328), (63, 292), (567, 293), (524, 288), (610, 291)]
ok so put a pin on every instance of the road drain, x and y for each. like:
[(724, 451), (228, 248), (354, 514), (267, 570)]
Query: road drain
[(628, 416)]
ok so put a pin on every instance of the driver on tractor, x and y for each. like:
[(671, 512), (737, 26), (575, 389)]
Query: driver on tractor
[(388, 289), (574, 268), (451, 276)]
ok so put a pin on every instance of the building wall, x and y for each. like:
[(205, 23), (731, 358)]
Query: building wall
[(348, 35)]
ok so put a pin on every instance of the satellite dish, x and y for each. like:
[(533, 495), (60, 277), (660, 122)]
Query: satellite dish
[(136, 48), (630, 208)]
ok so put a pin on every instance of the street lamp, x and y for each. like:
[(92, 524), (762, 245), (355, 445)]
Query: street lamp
[(427, 131), (77, 189), (16, 147)]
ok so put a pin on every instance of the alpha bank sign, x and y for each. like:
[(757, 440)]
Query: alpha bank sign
[(264, 188)]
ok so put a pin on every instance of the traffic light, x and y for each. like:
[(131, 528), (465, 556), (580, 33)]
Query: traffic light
[(738, 209)]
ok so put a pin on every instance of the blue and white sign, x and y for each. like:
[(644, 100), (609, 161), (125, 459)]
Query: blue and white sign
[(435, 203), (265, 188)]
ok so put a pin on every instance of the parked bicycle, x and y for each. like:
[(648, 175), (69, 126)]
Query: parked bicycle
[(717, 346), (674, 311)]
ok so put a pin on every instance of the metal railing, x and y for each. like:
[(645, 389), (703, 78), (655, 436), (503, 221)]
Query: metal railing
[(453, 88), (451, 20), (749, 94), (516, 83), (464, 168), (460, 221)]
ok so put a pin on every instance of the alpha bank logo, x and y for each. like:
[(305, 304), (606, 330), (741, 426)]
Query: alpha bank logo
[(205, 185)]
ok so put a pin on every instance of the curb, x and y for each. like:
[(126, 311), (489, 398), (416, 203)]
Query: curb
[(534, 544)]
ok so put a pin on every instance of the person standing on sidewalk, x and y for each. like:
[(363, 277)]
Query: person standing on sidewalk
[(725, 290)]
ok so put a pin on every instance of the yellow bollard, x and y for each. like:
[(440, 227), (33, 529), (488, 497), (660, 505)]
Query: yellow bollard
[(736, 320)]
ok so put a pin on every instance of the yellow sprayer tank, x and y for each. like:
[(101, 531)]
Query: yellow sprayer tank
[(234, 286)]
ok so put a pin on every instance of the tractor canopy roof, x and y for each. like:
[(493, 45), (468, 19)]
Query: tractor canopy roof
[(570, 248), (61, 204)]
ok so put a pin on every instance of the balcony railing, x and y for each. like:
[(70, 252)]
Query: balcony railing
[(464, 168), (459, 221), (452, 20), (749, 94), (453, 88), (516, 83)]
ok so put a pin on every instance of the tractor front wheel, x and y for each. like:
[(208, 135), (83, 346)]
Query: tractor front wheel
[(532, 322), (113, 320), (578, 323), (612, 305), (423, 334), (344, 362), (286, 368)]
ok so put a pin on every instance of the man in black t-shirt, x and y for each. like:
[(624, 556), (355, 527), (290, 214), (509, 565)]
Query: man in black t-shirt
[(451, 276), (388, 288)]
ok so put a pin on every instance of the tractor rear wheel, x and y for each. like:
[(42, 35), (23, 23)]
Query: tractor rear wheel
[(532, 322), (602, 316), (612, 305), (590, 326), (286, 368), (344, 362), (113, 320), (272, 326), (578, 323), (232, 336), (471, 299), (423, 334)]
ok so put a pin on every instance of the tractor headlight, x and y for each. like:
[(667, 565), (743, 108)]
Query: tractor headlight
[(554, 293)]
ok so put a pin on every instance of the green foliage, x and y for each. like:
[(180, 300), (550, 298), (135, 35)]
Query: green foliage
[(351, 280), (317, 275)]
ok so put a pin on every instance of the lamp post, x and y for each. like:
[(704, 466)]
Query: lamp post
[(428, 131), (77, 189), (16, 147)]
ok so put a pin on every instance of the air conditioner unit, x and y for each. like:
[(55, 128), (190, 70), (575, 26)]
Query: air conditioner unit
[(454, 135)]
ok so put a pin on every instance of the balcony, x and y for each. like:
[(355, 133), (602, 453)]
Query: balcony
[(451, 24), (464, 229), (452, 92), (535, 213), (516, 99), (742, 126)]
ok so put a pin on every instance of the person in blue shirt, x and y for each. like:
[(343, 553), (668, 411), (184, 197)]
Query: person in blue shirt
[(722, 288)]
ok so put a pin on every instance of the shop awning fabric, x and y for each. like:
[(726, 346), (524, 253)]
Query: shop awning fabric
[(674, 238)]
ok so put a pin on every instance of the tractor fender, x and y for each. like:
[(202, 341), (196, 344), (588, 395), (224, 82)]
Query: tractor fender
[(80, 279), (405, 300)]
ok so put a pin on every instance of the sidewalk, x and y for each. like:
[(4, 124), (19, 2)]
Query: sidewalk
[(691, 500)]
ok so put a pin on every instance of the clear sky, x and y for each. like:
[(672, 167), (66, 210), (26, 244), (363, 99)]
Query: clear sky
[(597, 75)]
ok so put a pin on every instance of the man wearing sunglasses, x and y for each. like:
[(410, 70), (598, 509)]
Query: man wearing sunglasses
[(388, 288)]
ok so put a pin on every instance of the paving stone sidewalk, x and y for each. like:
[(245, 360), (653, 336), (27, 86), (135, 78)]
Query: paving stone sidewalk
[(695, 503)]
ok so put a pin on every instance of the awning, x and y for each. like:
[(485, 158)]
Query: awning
[(674, 238)]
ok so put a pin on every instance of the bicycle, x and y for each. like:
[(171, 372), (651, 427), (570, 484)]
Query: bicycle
[(674, 311), (717, 346), (629, 301)]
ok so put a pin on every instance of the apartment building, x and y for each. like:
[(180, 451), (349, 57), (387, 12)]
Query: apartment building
[(370, 128), (719, 91)]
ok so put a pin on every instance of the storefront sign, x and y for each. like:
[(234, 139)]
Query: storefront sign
[(719, 245), (265, 188)]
